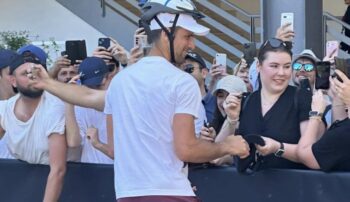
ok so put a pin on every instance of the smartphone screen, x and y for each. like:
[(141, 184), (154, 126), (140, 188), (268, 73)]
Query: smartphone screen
[(323, 72), (249, 52), (104, 42), (76, 50), (332, 47), (288, 18)]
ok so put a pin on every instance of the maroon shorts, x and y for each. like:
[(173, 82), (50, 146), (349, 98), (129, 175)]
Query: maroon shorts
[(160, 199)]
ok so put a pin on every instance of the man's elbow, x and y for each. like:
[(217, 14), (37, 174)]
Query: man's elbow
[(306, 157)]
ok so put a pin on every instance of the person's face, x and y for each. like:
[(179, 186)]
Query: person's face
[(298, 75), (275, 71), (5, 81), (67, 73), (220, 98), (20, 81), (243, 73), (198, 73), (183, 42)]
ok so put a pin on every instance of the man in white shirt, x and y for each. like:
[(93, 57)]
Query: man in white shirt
[(153, 105), (34, 124)]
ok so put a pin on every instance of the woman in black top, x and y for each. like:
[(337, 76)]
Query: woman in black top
[(276, 111)]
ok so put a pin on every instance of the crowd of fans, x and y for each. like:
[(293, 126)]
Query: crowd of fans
[(58, 119)]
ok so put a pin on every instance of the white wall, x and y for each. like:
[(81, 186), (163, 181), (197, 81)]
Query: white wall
[(48, 19)]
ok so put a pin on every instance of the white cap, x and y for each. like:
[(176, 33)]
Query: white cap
[(185, 21), (231, 84), (307, 53)]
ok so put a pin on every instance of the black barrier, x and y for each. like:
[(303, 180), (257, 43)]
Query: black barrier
[(94, 183)]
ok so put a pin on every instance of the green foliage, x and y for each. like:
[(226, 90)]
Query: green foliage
[(13, 39)]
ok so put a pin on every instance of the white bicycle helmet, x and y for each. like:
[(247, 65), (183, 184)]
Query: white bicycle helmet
[(153, 8)]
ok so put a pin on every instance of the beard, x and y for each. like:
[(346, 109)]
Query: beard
[(28, 92)]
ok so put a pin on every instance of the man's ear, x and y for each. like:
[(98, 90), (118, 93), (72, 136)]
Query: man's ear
[(13, 81), (205, 72)]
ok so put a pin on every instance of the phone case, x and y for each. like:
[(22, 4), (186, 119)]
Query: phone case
[(104, 42), (249, 52), (141, 40), (332, 46), (287, 18), (76, 50), (323, 71)]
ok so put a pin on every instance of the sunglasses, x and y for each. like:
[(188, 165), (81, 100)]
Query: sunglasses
[(189, 68), (308, 67), (276, 43)]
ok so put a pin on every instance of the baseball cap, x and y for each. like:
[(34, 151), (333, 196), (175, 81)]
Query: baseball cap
[(92, 70), (231, 84), (307, 53), (38, 52), (197, 58), (6, 57), (185, 21), (18, 60)]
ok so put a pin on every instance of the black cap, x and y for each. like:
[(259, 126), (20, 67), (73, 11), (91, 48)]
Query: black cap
[(18, 60), (197, 58)]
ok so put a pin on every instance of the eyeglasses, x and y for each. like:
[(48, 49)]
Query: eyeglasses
[(276, 43), (189, 68), (308, 67)]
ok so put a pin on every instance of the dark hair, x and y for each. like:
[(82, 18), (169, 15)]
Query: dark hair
[(274, 45), (154, 36)]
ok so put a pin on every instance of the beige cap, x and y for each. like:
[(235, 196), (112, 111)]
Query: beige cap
[(231, 84)]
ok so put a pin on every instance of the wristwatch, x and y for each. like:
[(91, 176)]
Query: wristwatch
[(280, 151), (315, 113)]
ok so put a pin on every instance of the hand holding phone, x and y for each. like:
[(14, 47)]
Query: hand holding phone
[(288, 18), (342, 65), (249, 53)]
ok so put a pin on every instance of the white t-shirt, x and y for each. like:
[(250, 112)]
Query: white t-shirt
[(4, 151), (143, 100), (28, 141), (199, 122), (86, 118)]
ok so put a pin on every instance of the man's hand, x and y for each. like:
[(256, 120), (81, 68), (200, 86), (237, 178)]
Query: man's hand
[(232, 105), (38, 76), (285, 34), (318, 102), (61, 62), (103, 53), (118, 52), (208, 134), (342, 88), (236, 145), (92, 136), (136, 53)]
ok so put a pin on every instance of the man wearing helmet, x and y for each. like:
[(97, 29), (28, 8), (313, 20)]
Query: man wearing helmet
[(152, 105)]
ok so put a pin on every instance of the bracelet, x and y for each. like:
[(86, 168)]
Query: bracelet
[(232, 121)]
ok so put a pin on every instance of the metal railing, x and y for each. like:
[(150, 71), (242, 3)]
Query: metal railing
[(334, 31)]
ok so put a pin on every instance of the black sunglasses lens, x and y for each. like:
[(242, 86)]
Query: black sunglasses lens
[(275, 43), (189, 68)]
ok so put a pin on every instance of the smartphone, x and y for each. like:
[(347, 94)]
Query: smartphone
[(141, 40), (343, 65), (140, 24), (287, 18), (221, 59), (323, 72), (104, 42), (249, 52), (332, 47), (76, 50)]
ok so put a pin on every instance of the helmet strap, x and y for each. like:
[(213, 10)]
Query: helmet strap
[(171, 36)]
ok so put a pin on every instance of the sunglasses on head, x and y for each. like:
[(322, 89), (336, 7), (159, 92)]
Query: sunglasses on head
[(276, 43), (308, 67), (189, 68)]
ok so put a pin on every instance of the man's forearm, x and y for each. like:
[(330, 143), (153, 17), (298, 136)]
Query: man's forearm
[(77, 95)]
